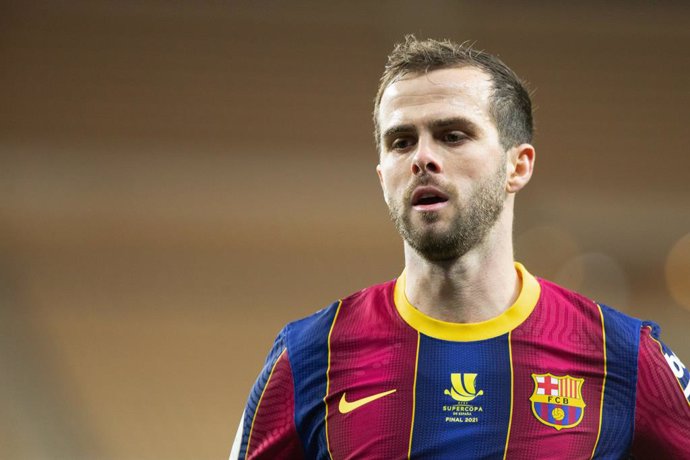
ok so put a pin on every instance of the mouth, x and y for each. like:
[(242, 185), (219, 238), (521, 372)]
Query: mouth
[(428, 199)]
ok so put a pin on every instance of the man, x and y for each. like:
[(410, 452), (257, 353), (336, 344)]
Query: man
[(466, 354)]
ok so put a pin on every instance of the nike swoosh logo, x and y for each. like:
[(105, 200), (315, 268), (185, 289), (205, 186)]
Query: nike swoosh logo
[(347, 406)]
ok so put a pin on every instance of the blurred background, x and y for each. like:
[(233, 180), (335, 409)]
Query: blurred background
[(179, 179)]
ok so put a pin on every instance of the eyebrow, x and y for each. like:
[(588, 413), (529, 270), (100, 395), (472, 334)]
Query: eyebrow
[(398, 129), (465, 123)]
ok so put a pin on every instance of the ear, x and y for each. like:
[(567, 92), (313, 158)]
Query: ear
[(383, 188), (520, 167), (378, 173)]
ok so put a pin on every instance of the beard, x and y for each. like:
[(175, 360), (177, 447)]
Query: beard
[(469, 226)]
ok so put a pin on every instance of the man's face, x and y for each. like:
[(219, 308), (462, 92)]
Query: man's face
[(442, 167)]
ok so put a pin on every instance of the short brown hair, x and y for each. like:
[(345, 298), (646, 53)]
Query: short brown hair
[(511, 107)]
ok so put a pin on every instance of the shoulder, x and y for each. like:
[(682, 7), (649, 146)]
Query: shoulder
[(312, 331), (659, 359), (619, 331), (308, 343), (554, 295), (662, 409)]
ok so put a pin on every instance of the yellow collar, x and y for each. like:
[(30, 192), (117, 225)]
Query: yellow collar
[(467, 332)]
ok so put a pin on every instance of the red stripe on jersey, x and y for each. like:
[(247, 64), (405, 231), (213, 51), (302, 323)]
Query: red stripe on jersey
[(273, 433), (658, 392), (570, 331), (372, 352)]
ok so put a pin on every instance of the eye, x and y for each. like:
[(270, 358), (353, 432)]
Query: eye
[(454, 137), (402, 143)]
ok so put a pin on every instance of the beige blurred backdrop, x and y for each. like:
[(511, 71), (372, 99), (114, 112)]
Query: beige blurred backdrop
[(179, 179)]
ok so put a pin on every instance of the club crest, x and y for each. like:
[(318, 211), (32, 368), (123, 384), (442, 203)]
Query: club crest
[(557, 400)]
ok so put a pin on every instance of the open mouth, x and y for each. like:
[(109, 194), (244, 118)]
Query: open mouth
[(431, 199), (428, 198)]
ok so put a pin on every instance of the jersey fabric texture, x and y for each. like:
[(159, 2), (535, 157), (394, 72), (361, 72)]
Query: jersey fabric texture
[(554, 376)]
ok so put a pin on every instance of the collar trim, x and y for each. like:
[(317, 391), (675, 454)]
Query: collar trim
[(530, 291)]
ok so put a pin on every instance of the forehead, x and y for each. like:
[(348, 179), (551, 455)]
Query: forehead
[(443, 93)]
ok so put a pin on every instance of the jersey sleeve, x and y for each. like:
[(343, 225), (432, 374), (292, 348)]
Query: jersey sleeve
[(267, 429), (662, 409)]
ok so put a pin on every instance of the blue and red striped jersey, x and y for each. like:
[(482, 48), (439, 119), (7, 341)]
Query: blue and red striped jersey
[(554, 376)]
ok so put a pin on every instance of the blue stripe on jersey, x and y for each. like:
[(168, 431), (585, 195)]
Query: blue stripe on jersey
[(442, 423), (258, 389), (618, 411), (307, 342)]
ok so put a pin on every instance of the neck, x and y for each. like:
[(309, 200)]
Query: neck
[(475, 287)]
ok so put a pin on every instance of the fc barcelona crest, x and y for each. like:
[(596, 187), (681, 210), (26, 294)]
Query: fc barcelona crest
[(557, 401)]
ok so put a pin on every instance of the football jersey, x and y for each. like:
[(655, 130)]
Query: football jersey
[(556, 375)]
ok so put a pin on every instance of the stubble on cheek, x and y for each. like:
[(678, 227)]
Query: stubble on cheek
[(466, 227), (418, 229)]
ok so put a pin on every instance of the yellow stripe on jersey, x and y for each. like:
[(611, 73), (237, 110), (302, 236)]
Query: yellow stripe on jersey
[(328, 377), (603, 381), (512, 392), (258, 405), (414, 396)]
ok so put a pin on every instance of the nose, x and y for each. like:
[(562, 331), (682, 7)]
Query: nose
[(425, 159)]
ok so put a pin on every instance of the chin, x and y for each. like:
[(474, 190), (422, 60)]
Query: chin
[(439, 252)]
